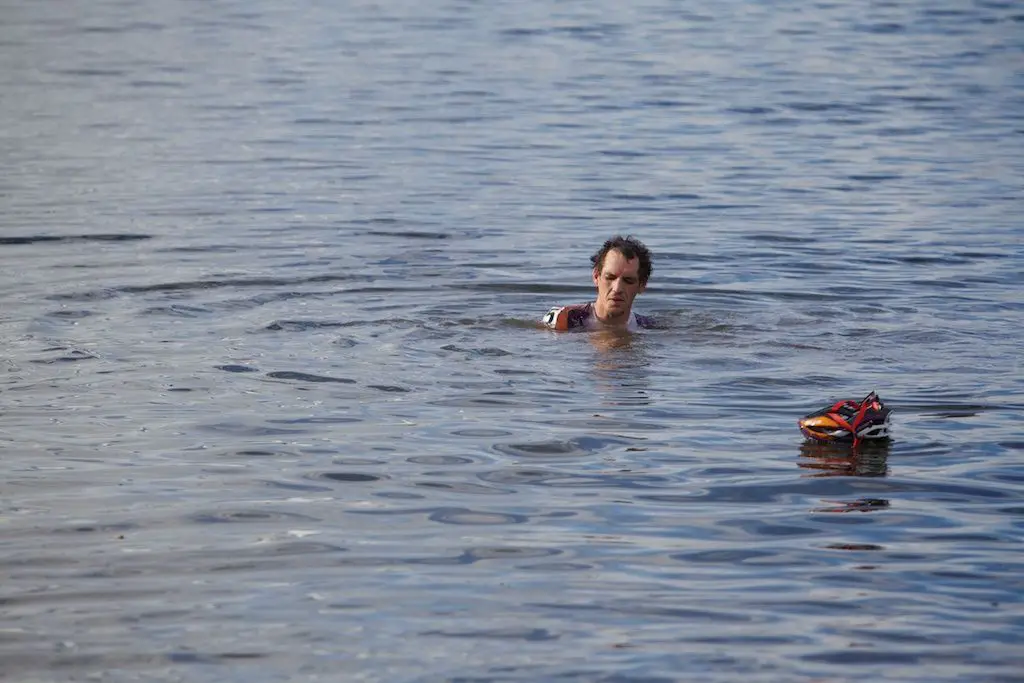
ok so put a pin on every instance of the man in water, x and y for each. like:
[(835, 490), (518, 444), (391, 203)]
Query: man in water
[(622, 267)]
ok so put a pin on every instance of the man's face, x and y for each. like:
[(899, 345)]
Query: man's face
[(618, 283)]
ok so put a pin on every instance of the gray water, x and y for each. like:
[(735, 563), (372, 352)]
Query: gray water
[(273, 405)]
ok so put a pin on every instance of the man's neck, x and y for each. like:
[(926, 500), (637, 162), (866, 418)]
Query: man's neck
[(611, 320)]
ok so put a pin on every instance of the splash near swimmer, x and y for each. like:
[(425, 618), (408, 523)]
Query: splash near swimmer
[(848, 421)]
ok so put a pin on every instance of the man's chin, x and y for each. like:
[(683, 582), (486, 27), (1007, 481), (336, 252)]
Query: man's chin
[(613, 313)]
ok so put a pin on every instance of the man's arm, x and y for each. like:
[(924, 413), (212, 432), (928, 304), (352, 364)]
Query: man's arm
[(564, 318), (557, 318)]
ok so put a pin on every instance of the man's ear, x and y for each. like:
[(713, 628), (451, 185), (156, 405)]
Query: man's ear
[(596, 274)]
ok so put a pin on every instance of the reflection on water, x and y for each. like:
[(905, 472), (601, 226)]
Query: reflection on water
[(621, 367), (859, 505), (274, 404), (869, 459)]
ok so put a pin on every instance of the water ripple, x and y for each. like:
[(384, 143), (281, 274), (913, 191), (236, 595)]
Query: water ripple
[(275, 396)]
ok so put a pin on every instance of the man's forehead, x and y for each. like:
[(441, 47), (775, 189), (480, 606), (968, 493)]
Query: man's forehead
[(617, 263)]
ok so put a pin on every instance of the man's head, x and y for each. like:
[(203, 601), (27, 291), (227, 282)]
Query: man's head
[(631, 248), (622, 267)]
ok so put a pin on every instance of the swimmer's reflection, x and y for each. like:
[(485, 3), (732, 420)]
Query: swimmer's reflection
[(621, 366), (869, 459)]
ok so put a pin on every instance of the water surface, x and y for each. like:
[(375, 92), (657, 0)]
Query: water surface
[(273, 405)]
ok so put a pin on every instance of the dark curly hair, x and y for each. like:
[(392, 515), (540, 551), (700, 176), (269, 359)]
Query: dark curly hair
[(631, 248)]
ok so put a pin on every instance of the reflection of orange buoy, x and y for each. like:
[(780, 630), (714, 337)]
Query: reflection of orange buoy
[(848, 421)]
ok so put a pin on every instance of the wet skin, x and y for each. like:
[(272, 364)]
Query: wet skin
[(618, 283)]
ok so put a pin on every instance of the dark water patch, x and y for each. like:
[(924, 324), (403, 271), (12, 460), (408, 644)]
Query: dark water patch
[(355, 461), (410, 234), (176, 311), (70, 597), (941, 12), (487, 399), (348, 477), (480, 433), (901, 131), (869, 657), (156, 84), (204, 249), (463, 487), (650, 610), (264, 283), (530, 635), (467, 517), (750, 110), (574, 447), (293, 376), (87, 72), (723, 207), (452, 515), (774, 238), (824, 106), (399, 495), (389, 388), (541, 449), (236, 368), (557, 567), (882, 28), (302, 325), (508, 552), (490, 352), (292, 486), (873, 177), (248, 516), (66, 314), (440, 460), (307, 548), (242, 429), (189, 657), (529, 476), (522, 32), (762, 529), (864, 547), (99, 237), (317, 420), (730, 557), (113, 528), (836, 488), (968, 539), (929, 259), (71, 356)]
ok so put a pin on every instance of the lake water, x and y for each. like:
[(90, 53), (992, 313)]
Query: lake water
[(273, 404)]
